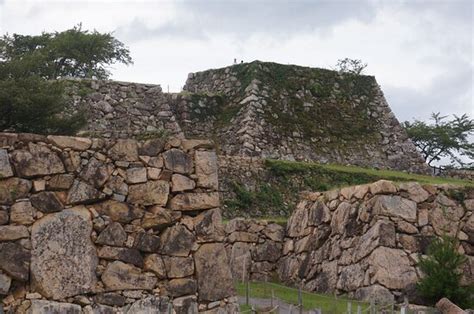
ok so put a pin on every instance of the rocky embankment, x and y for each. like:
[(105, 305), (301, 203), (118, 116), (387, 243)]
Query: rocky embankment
[(364, 241), (108, 226)]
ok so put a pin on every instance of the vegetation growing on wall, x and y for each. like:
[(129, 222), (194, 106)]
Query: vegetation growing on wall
[(277, 192)]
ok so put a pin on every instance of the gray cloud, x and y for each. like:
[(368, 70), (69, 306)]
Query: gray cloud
[(244, 18), (450, 93)]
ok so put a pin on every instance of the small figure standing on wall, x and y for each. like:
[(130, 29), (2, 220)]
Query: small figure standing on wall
[(235, 60)]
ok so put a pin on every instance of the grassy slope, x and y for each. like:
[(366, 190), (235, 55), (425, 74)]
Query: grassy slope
[(362, 173), (277, 193), (327, 303)]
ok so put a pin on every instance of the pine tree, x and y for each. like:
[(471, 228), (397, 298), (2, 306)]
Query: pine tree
[(442, 269)]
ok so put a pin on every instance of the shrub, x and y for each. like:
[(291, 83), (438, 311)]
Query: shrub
[(442, 269)]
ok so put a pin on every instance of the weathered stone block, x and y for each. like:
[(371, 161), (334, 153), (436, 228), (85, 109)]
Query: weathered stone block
[(195, 201), (118, 211), (83, 193), (12, 233), (121, 276), (212, 271), (76, 143), (206, 169), (47, 202), (113, 235), (5, 167), (178, 161), (12, 189), (178, 267), (49, 307), (176, 241), (59, 275), (150, 193), (5, 283), (131, 256), (181, 286), (38, 160), (181, 183), (15, 261), (124, 149), (22, 213)]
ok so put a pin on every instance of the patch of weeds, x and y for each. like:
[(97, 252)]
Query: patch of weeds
[(149, 135), (266, 198)]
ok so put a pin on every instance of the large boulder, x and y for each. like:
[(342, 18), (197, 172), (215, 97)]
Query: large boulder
[(394, 205), (391, 268), (64, 259), (380, 234), (213, 273), (351, 277), (38, 160)]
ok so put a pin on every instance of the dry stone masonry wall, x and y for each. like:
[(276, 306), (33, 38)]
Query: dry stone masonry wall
[(365, 240), (123, 110), (111, 226), (289, 112), (263, 110), (254, 248)]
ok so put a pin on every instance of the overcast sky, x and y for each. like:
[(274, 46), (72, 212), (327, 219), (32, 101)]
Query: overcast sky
[(421, 52)]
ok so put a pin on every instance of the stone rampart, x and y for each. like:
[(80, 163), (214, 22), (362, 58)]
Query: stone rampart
[(111, 226), (262, 110), (363, 241), (254, 248)]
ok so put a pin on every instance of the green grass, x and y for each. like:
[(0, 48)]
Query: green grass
[(348, 175), (327, 303), (276, 192)]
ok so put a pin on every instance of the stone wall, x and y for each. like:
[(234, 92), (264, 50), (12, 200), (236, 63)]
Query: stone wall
[(366, 240), (122, 109), (106, 226), (260, 109), (363, 241), (289, 112), (254, 248)]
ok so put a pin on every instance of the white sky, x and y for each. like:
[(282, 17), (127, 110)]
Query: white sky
[(421, 52)]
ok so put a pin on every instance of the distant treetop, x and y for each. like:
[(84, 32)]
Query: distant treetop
[(72, 53)]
